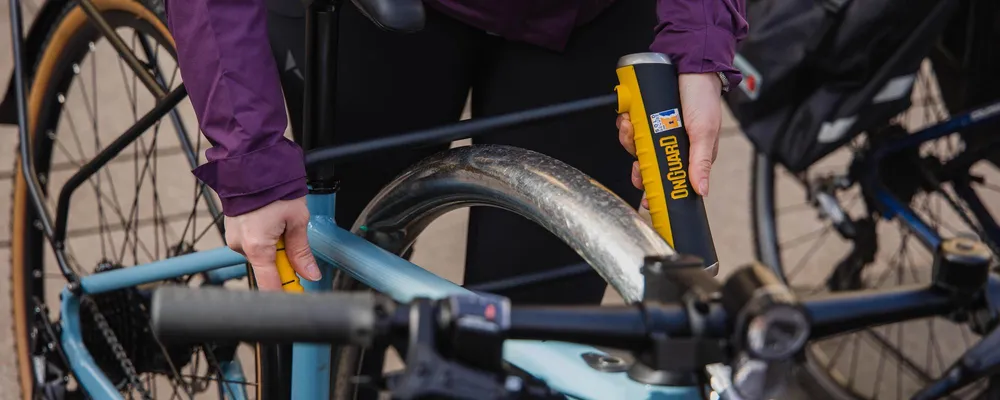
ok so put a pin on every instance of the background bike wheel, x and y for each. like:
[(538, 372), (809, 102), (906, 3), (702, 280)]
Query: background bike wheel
[(141, 206), (892, 361)]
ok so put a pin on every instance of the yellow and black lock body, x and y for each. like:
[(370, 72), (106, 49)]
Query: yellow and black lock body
[(647, 90)]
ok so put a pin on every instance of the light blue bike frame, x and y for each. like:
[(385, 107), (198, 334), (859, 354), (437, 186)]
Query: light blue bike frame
[(559, 364)]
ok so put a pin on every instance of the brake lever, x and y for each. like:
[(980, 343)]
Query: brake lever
[(470, 365)]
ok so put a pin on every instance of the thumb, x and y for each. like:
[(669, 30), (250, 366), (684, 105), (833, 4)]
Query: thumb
[(702, 155), (299, 253)]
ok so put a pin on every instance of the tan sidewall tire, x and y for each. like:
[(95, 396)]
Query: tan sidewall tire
[(68, 27)]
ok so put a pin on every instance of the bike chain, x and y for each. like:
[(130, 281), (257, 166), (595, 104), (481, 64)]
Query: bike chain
[(109, 335)]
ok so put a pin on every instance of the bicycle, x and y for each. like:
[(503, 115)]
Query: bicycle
[(752, 322), (100, 343), (630, 238), (899, 171)]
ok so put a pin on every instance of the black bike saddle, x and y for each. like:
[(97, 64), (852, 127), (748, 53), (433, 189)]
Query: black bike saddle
[(404, 16)]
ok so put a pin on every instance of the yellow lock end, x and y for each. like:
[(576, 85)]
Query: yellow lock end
[(624, 98), (289, 280)]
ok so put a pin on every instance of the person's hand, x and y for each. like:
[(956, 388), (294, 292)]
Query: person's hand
[(256, 233), (701, 107)]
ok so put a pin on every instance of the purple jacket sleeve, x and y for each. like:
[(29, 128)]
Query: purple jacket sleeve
[(232, 81), (701, 35)]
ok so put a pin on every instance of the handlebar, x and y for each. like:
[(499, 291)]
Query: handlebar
[(209, 315), (686, 321), (355, 318)]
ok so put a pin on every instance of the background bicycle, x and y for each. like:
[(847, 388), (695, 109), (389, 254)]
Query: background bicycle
[(822, 210), (728, 221)]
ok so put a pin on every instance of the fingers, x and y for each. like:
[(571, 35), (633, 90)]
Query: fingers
[(703, 153), (703, 117), (626, 135), (636, 176), (261, 254), (298, 250), (233, 235)]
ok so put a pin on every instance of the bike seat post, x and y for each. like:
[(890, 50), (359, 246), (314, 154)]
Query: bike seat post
[(320, 91)]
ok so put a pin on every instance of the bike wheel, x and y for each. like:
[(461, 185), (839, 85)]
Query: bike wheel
[(891, 361), (141, 206), (604, 230)]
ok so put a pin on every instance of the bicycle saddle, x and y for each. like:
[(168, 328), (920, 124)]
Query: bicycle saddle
[(404, 16)]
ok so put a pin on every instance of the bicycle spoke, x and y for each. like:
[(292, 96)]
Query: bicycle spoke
[(881, 365), (210, 359), (804, 237), (836, 354), (854, 360), (208, 228), (804, 206), (92, 113), (900, 358), (191, 215), (98, 193), (893, 262), (812, 251), (899, 367), (134, 211), (936, 347), (123, 231)]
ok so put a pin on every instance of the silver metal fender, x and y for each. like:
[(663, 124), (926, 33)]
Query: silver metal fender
[(608, 233)]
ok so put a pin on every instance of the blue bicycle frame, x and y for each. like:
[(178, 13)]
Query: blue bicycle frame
[(559, 364)]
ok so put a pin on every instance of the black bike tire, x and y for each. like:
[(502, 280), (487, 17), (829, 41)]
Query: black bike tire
[(27, 242)]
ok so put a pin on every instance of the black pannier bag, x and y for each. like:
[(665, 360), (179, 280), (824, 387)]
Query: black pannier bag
[(819, 72)]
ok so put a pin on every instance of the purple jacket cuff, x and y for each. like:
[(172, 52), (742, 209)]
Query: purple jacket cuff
[(249, 181), (715, 46), (233, 206)]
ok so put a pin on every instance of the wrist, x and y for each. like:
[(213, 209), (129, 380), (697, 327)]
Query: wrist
[(702, 81)]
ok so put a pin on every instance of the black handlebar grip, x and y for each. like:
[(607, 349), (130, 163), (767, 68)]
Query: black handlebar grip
[(208, 314)]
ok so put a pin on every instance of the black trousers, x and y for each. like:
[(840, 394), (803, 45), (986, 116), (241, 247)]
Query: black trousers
[(390, 83)]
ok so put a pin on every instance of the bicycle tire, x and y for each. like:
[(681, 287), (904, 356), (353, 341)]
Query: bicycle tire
[(826, 383), (557, 197), (28, 243)]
